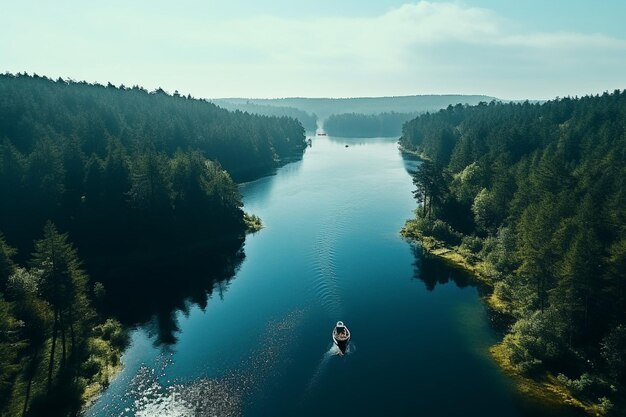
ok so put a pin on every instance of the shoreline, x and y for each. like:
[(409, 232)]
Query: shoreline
[(93, 391), (108, 352), (410, 152), (546, 389)]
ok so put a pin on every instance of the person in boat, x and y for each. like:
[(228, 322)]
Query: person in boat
[(341, 331)]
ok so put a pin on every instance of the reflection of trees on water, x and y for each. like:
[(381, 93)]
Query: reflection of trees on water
[(432, 271), (151, 296), (162, 328), (411, 162)]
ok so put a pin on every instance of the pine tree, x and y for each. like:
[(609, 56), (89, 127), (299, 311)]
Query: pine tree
[(430, 186), (6, 262), (151, 189), (63, 286), (35, 315), (8, 353)]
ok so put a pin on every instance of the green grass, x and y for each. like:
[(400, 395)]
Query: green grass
[(545, 388)]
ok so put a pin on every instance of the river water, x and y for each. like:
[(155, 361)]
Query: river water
[(330, 250)]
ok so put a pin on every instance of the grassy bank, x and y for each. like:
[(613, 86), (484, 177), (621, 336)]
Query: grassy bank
[(545, 387), (109, 342), (451, 255)]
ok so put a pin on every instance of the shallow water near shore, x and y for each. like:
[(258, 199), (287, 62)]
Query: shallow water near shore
[(330, 250)]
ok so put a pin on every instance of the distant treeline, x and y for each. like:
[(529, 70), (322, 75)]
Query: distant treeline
[(534, 196), (325, 107), (354, 125), (309, 121)]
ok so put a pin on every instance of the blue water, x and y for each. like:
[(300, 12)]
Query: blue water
[(330, 250)]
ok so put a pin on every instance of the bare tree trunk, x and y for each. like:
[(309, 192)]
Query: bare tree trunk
[(52, 349), (27, 396), (63, 349), (586, 312), (72, 337), (539, 294)]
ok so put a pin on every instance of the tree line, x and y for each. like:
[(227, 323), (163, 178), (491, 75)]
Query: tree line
[(533, 195), (367, 125), (324, 107), (105, 161)]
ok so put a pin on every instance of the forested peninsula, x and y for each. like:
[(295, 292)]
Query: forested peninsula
[(532, 197), (94, 181), (356, 125)]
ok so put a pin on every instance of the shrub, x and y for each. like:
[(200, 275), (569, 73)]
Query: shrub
[(113, 332), (587, 385), (605, 405), (613, 348), (472, 244), (518, 355), (535, 339), (443, 231), (91, 367)]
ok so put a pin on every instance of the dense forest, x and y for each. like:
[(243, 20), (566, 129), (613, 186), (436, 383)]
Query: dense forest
[(138, 181), (355, 125), (99, 161), (309, 121), (533, 197)]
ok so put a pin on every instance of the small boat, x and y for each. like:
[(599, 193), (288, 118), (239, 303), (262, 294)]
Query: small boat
[(321, 134), (341, 336)]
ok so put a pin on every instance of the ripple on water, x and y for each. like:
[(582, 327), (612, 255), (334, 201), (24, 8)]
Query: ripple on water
[(323, 258)]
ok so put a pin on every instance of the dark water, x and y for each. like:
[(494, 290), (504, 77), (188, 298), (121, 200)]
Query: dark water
[(330, 251)]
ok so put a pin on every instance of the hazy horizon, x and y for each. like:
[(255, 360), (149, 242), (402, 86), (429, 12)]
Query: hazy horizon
[(330, 49), (340, 98)]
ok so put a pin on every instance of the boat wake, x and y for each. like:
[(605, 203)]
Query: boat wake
[(335, 351), (321, 367), (332, 351), (326, 286)]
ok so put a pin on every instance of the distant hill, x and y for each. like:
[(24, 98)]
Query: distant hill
[(324, 107), (309, 121)]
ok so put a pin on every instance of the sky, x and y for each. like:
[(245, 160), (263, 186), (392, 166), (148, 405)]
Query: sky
[(510, 49)]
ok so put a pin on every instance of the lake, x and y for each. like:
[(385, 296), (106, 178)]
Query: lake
[(330, 251)]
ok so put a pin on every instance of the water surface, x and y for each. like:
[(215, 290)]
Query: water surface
[(330, 250)]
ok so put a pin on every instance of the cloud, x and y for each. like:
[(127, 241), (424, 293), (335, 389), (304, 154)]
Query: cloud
[(422, 47), (567, 40), (372, 40)]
